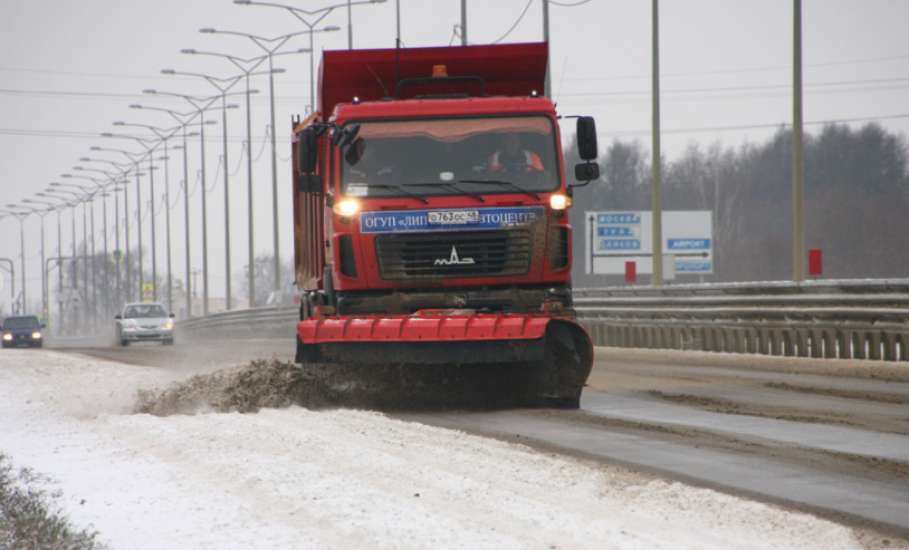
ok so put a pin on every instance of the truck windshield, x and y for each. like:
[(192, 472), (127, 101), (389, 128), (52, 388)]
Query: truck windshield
[(451, 156)]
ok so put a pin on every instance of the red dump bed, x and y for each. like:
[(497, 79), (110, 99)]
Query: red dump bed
[(507, 69)]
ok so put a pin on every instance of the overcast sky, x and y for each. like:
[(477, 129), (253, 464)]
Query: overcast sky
[(69, 69)]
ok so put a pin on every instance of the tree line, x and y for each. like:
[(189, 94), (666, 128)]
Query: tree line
[(856, 201)]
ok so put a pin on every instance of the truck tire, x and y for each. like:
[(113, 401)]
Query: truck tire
[(328, 288), (306, 306)]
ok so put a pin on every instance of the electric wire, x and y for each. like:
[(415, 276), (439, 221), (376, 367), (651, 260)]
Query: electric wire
[(264, 143), (569, 4), (214, 183), (515, 24)]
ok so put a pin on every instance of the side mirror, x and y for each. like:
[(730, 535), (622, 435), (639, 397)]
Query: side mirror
[(172, 316), (118, 316), (307, 151), (586, 171), (346, 135), (587, 138)]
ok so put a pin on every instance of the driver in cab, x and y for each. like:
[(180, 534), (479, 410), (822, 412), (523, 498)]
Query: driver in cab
[(513, 158)]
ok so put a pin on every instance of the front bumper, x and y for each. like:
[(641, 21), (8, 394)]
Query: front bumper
[(23, 340), (142, 335)]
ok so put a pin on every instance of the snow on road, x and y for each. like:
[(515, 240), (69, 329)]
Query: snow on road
[(294, 478)]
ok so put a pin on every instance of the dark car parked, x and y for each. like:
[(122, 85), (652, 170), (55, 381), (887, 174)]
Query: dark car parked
[(22, 331)]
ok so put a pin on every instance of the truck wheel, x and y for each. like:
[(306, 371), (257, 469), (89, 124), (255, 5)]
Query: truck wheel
[(305, 306), (328, 287)]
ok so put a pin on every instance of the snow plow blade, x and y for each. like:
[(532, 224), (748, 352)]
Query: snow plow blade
[(496, 359)]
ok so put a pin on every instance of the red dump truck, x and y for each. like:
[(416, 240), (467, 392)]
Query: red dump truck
[(430, 215)]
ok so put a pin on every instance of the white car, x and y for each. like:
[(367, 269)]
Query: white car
[(145, 321)]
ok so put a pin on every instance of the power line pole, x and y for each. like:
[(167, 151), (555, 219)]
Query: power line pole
[(397, 22), (463, 22), (798, 167), (548, 87), (656, 201)]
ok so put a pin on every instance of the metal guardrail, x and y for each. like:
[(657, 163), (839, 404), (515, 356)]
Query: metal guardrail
[(860, 319), (847, 319), (261, 322)]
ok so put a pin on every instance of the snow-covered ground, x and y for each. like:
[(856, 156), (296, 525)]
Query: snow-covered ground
[(294, 478)]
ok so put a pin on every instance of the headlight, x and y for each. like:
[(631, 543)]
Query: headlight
[(558, 201), (168, 325), (346, 208), (36, 335), (7, 337)]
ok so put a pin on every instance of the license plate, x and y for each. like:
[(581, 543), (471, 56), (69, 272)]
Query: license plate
[(453, 217)]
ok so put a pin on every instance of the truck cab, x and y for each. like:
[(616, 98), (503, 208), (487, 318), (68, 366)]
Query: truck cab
[(449, 193)]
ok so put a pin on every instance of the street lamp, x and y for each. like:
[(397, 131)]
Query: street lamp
[(21, 216), (323, 11), (41, 212), (149, 149), (200, 105), (184, 120), (247, 66), (134, 158), (89, 196), (271, 46), (105, 267), (223, 85), (59, 206), (163, 134)]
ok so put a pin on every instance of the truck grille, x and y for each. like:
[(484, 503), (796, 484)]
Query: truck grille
[(454, 254)]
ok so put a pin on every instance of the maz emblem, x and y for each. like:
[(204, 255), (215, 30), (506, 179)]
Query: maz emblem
[(453, 259)]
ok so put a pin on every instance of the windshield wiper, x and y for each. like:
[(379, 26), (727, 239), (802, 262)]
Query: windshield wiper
[(504, 182), (400, 188), (450, 186)]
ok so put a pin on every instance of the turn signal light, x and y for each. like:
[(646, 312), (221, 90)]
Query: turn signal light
[(346, 208), (559, 201)]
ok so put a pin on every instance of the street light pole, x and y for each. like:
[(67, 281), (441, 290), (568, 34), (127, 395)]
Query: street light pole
[(41, 213), (135, 159), (200, 105), (170, 278), (656, 205), (548, 85), (247, 66), (88, 195), (58, 328), (184, 121), (270, 46), (187, 285), (223, 85), (798, 164), (149, 151), (464, 22), (322, 12)]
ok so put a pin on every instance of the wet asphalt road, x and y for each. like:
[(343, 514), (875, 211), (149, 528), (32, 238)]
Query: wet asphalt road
[(833, 441)]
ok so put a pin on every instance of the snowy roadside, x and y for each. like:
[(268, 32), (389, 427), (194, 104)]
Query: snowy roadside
[(293, 478)]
